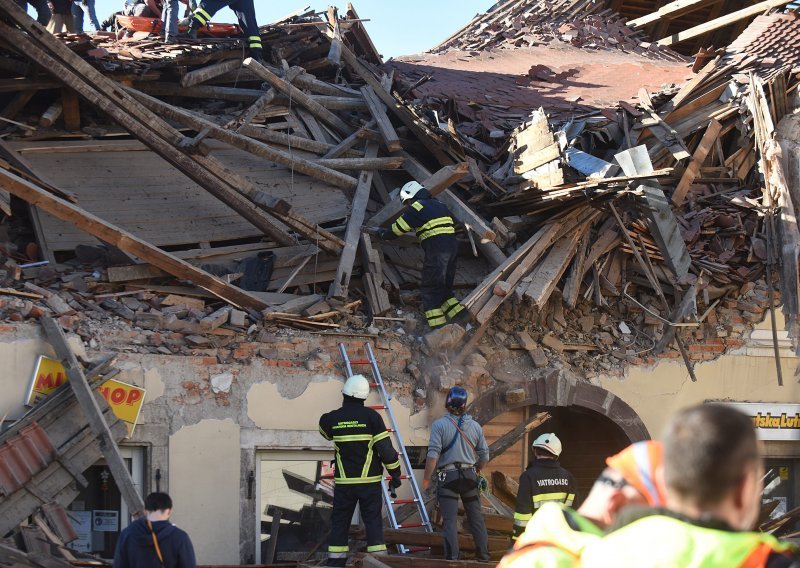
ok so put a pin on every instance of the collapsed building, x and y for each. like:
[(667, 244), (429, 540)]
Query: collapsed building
[(624, 181)]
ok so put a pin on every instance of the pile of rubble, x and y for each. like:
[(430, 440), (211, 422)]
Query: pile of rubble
[(614, 230), (512, 24)]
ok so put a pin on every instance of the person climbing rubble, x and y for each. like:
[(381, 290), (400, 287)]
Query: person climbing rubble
[(544, 481), (556, 535), (457, 451), (434, 226), (363, 449), (243, 9)]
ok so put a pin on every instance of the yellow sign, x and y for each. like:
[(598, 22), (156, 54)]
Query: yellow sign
[(124, 399)]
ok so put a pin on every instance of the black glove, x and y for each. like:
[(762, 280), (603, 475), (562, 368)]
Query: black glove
[(384, 234), (396, 482)]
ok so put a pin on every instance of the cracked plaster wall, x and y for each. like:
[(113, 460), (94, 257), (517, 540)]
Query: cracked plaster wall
[(746, 376)]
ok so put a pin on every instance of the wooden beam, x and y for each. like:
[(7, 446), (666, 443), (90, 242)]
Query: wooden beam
[(131, 115), (693, 168), (348, 142), (94, 415), (435, 184), (721, 22), (299, 97), (366, 163), (203, 74), (125, 241), (245, 143), (338, 288), (511, 437), (378, 112), (552, 268), (405, 115), (372, 276), (671, 10)]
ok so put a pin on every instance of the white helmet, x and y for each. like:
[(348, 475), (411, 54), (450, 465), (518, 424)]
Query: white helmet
[(409, 190), (548, 442), (356, 386)]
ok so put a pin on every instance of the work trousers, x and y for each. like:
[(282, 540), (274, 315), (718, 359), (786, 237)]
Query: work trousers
[(369, 498), (78, 9), (462, 483), (245, 12), (438, 273), (60, 22), (170, 18), (42, 10)]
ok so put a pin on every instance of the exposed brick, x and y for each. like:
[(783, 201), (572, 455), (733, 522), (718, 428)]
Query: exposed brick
[(706, 348)]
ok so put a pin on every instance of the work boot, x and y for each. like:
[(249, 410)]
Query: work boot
[(191, 34), (463, 317), (257, 55)]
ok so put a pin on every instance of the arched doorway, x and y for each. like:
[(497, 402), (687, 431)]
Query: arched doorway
[(591, 422)]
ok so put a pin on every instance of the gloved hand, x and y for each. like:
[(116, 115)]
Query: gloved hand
[(483, 484), (396, 481), (382, 233)]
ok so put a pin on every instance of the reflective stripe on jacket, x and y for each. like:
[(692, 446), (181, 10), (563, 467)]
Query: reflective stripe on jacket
[(544, 482), (362, 443), (554, 538), (428, 217), (661, 541)]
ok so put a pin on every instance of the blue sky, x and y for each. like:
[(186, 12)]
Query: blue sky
[(396, 28)]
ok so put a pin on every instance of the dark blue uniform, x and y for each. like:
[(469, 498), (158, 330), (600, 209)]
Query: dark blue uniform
[(243, 9), (433, 224), (363, 448), (136, 549)]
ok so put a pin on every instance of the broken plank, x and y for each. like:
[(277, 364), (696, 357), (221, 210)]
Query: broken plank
[(378, 112), (124, 240), (353, 232), (693, 168), (671, 10), (721, 22), (209, 72), (552, 268), (94, 415), (348, 142), (298, 96), (144, 125), (372, 277), (365, 163), (435, 184)]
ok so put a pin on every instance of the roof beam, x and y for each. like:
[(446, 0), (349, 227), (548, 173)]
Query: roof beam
[(721, 22)]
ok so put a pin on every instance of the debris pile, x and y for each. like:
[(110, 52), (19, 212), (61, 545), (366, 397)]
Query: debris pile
[(510, 24), (619, 231)]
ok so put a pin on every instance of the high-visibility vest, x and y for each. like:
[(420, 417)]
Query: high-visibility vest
[(659, 541), (554, 537)]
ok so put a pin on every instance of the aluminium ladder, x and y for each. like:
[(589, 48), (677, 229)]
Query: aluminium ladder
[(390, 499)]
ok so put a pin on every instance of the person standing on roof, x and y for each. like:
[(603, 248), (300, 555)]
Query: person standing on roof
[(457, 452), (153, 541), (556, 535), (43, 13), (434, 226), (543, 482), (363, 449), (246, 13)]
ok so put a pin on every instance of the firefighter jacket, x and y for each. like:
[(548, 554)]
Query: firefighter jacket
[(659, 538), (362, 443), (554, 538), (545, 481), (428, 217)]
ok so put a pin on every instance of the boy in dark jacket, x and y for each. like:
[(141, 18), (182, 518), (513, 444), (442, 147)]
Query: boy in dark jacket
[(152, 541)]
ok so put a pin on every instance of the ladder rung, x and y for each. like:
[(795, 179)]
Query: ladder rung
[(360, 362), (389, 477), (403, 501), (411, 525), (378, 407), (418, 549)]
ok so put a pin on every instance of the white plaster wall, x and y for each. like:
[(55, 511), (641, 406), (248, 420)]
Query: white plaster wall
[(19, 351), (657, 393), (204, 464)]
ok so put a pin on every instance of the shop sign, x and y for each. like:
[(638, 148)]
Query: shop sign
[(772, 421), (125, 400), (105, 521)]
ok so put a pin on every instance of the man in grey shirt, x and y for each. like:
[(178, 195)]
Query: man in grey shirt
[(457, 452)]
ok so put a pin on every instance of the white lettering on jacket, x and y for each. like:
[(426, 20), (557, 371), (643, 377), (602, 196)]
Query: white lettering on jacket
[(543, 482)]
